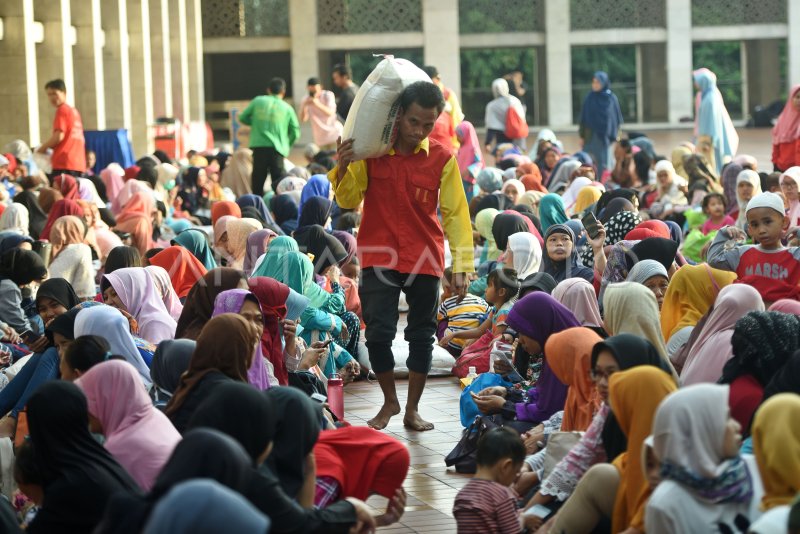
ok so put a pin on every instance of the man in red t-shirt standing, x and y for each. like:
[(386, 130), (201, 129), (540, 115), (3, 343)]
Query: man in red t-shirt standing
[(67, 142)]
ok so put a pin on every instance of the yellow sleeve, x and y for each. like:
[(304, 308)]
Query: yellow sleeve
[(455, 218), (350, 189), (455, 109)]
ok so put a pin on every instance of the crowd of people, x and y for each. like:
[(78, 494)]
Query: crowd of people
[(626, 325)]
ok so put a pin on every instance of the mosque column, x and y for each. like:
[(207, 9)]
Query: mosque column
[(194, 27), (441, 40), (141, 79), (19, 92), (679, 60), (558, 54), (161, 60), (116, 64), (87, 59), (179, 58), (304, 56)]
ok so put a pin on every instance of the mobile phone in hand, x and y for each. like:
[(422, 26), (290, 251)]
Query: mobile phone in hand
[(590, 223), (29, 337), (538, 510)]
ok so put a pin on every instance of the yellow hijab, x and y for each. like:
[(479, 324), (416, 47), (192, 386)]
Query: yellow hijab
[(586, 197), (634, 396), (531, 199), (483, 223), (776, 445), (631, 308), (692, 290)]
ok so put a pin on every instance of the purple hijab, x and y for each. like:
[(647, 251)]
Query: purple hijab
[(231, 301), (256, 247), (538, 316)]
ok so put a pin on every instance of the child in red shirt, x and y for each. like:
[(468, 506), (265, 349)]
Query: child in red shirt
[(771, 268), (715, 206)]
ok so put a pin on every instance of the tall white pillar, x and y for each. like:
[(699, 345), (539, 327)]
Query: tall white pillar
[(141, 79), (194, 26), (88, 64), (117, 64), (179, 60), (20, 91), (793, 22), (160, 58), (679, 60), (54, 54), (304, 56), (558, 53), (441, 40)]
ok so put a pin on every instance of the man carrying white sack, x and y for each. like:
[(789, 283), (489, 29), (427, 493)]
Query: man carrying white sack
[(401, 242)]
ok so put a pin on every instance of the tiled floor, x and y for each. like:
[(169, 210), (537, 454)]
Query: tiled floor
[(431, 487)]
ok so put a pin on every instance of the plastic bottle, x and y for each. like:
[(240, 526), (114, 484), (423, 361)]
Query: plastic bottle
[(472, 375), (336, 396)]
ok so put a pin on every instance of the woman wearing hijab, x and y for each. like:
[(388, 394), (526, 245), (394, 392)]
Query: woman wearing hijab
[(523, 254), (170, 361), (316, 210), (136, 218), (469, 157), (570, 196), (112, 177), (257, 244), (786, 306), (202, 453), (15, 219), (264, 489), (786, 133), (692, 290), (535, 318), (483, 223), (96, 319), (716, 137), (552, 211), (776, 446), (317, 186), (36, 217), (133, 291), (600, 121), (236, 174), (261, 373), (199, 302), (497, 112), (706, 485), (513, 189), (579, 297), (71, 256), (257, 203), (669, 197), (234, 239), (660, 249), (223, 208), (163, 286), (587, 198), (712, 349), (224, 352), (631, 308), (748, 185), (47, 198), (490, 180), (196, 241), (326, 250), (193, 193), (790, 185), (137, 435), (652, 275), (18, 268), (78, 475), (562, 172), (762, 344), (67, 185), (53, 300), (284, 208), (184, 269), (60, 209), (560, 259), (728, 178)]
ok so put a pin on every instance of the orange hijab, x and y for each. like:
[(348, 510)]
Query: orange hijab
[(570, 358), (183, 268), (531, 177), (224, 207), (136, 218), (634, 396)]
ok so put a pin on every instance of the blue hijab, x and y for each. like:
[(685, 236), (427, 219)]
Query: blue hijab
[(255, 201), (569, 268), (317, 186), (713, 118), (601, 112)]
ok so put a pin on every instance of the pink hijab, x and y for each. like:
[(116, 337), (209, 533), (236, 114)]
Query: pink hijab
[(712, 350), (579, 297), (164, 287), (787, 129), (113, 178), (126, 192), (139, 436), (469, 153), (786, 306), (793, 173), (139, 295)]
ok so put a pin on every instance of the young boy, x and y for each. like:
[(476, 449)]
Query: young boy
[(486, 504), (456, 315), (502, 287), (714, 206), (768, 266)]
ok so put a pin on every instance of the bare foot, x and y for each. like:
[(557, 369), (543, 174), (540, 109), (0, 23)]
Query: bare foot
[(380, 421), (8, 427), (413, 421)]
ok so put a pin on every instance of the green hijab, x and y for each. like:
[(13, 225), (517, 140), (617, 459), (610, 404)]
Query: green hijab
[(551, 211), (196, 242), (272, 265), (483, 223)]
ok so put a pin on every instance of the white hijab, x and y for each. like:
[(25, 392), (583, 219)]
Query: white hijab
[(15, 219), (527, 253)]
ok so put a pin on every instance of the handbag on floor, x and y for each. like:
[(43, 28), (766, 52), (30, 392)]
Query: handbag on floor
[(558, 445), (462, 457)]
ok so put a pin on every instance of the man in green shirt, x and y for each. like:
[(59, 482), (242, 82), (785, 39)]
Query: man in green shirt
[(273, 130)]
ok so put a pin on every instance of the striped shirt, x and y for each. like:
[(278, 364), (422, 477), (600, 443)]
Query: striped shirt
[(464, 315), (486, 507)]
